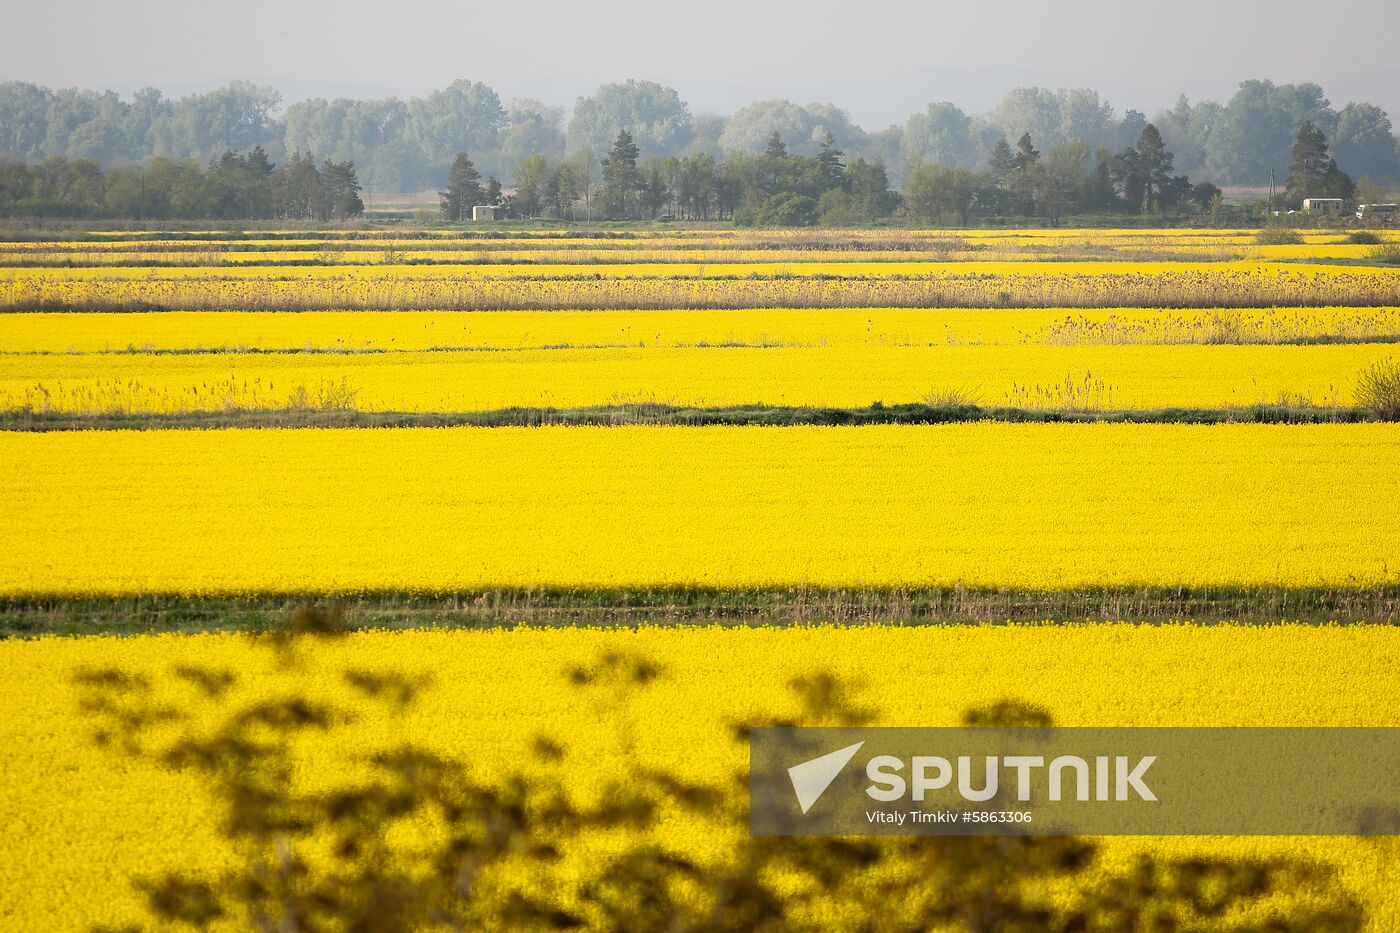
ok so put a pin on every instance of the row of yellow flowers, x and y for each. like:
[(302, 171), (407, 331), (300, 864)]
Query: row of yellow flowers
[(659, 238), (231, 331), (206, 253), (1074, 377), (18, 277), (681, 285), (1007, 506)]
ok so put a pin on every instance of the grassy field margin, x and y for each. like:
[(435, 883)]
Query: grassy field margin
[(505, 608)]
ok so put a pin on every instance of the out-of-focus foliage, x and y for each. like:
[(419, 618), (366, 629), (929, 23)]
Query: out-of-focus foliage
[(332, 812)]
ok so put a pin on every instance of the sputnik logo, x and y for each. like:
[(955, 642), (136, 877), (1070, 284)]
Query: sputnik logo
[(811, 778)]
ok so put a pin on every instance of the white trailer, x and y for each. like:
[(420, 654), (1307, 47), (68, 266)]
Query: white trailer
[(1322, 206)]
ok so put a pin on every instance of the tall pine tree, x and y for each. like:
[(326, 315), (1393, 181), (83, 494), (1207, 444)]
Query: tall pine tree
[(832, 170), (1026, 153), (622, 182), (1315, 173), (774, 173), (1146, 171), (341, 190), (463, 189), (1156, 163), (1001, 162)]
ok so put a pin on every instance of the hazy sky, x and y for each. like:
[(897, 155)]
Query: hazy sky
[(879, 59)]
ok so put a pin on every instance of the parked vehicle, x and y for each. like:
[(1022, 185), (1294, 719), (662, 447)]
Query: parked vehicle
[(1376, 213)]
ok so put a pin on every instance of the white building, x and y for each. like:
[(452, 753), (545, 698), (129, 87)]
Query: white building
[(1322, 205)]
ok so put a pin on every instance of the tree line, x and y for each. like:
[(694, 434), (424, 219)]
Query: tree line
[(1069, 178), (409, 145), (778, 188), (782, 188), (235, 186)]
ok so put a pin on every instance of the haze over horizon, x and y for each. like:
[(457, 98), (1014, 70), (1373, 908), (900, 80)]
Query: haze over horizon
[(880, 67)]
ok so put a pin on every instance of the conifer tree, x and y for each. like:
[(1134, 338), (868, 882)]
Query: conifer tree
[(341, 194), (463, 189), (1026, 153), (1001, 162), (1315, 173), (622, 182), (774, 171), (831, 169)]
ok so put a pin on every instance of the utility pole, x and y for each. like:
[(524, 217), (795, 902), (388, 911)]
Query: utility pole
[(1271, 197)]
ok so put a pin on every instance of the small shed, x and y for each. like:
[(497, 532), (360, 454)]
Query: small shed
[(487, 212), (1322, 205)]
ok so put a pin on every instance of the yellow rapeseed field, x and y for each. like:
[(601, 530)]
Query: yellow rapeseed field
[(78, 822), (953, 249), (1015, 506), (1075, 377), (662, 238), (691, 285), (1085, 514), (568, 257), (17, 279), (84, 332)]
